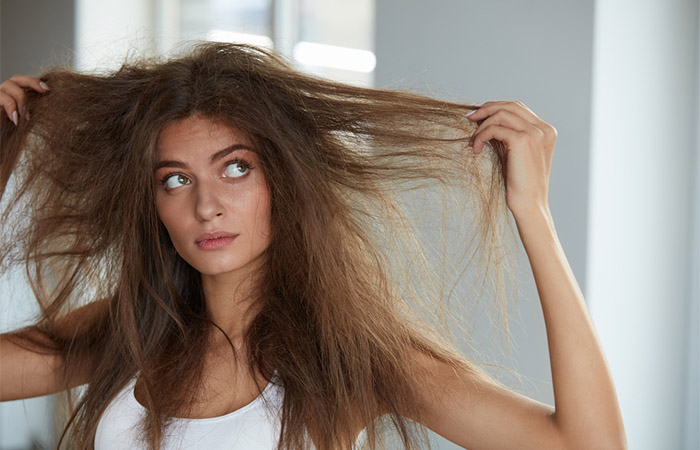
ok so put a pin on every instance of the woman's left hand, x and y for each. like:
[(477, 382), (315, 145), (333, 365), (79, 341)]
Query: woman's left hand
[(529, 143)]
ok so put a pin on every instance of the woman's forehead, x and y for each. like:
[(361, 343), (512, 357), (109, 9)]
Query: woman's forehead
[(199, 134)]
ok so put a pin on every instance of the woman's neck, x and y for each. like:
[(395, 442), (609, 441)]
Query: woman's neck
[(232, 302)]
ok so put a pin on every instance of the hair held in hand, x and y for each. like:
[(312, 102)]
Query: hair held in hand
[(357, 275)]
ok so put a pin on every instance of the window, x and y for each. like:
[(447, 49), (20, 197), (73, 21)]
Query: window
[(329, 38)]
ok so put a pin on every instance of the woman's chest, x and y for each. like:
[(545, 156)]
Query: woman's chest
[(223, 389), (254, 426)]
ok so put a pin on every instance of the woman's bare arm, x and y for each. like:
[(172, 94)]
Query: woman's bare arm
[(25, 373), (476, 414), (27, 370), (30, 370)]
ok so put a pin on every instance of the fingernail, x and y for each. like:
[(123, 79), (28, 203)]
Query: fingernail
[(43, 85), (472, 112), (14, 117)]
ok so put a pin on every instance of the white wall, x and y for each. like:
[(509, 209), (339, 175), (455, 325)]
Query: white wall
[(538, 52)]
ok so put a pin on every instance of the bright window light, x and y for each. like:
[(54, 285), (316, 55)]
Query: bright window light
[(322, 55), (244, 38)]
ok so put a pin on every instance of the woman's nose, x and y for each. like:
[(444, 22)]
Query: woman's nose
[(208, 202)]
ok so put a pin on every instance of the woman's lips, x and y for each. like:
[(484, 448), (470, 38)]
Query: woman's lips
[(215, 244)]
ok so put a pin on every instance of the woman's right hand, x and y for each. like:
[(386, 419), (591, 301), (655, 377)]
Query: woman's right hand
[(12, 95)]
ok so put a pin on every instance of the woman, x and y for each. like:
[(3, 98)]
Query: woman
[(217, 237)]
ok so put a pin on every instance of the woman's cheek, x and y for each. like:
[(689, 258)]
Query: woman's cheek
[(168, 214)]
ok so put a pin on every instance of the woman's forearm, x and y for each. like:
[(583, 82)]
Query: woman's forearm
[(586, 407)]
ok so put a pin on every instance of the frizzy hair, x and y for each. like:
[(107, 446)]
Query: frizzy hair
[(348, 295)]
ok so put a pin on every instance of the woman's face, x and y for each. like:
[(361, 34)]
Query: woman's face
[(208, 181)]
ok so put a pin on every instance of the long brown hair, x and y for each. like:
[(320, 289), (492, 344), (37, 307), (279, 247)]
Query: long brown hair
[(349, 294)]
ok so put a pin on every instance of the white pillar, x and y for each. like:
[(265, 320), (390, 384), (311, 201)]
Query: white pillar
[(642, 169)]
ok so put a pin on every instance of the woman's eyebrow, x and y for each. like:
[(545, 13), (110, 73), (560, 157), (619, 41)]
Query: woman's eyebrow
[(212, 159)]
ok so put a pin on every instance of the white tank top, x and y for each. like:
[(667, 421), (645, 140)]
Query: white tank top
[(254, 426)]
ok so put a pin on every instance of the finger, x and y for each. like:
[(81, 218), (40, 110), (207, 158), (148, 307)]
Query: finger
[(17, 97), (26, 81), (8, 103), (505, 118), (508, 136), (490, 108)]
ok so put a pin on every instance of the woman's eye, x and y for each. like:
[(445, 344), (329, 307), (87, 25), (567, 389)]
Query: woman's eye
[(174, 180), (237, 169)]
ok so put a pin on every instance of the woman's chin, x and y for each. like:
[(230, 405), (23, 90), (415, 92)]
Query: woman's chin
[(222, 264), (214, 270)]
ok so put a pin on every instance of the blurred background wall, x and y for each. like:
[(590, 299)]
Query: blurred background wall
[(618, 79)]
